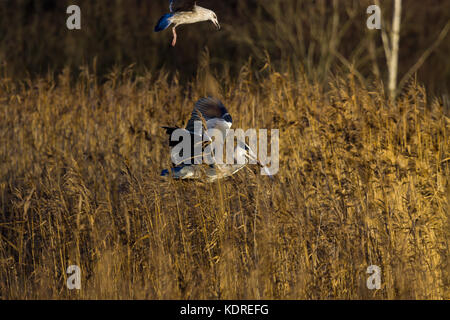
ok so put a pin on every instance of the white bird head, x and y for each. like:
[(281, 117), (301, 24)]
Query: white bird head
[(210, 15), (214, 20)]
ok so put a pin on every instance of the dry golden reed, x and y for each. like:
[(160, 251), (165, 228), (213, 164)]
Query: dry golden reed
[(362, 181)]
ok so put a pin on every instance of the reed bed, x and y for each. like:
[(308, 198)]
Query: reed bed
[(362, 181)]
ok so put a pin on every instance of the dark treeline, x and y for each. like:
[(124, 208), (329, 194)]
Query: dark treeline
[(317, 36)]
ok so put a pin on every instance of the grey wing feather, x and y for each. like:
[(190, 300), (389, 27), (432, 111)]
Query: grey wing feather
[(181, 5), (207, 109)]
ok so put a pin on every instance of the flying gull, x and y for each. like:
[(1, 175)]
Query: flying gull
[(184, 12)]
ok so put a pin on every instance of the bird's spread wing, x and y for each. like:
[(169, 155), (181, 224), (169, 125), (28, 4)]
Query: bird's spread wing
[(206, 109), (181, 5), (193, 139)]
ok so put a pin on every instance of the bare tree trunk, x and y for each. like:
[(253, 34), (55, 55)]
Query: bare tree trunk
[(395, 39)]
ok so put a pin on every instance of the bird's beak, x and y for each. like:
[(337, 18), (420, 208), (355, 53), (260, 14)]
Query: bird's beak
[(217, 25)]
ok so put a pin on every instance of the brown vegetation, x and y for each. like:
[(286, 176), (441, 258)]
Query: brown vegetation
[(362, 181)]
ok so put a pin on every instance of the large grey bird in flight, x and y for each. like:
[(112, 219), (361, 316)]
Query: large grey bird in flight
[(214, 115), (184, 12)]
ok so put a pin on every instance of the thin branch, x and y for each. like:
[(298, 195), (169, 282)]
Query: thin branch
[(395, 39), (425, 55), (385, 39), (351, 67)]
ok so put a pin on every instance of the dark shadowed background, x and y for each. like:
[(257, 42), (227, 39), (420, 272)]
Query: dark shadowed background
[(318, 36)]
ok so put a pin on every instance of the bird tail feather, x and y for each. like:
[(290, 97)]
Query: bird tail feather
[(164, 22), (174, 172)]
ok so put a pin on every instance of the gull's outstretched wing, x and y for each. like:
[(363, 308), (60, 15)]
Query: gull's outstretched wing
[(211, 110), (181, 5)]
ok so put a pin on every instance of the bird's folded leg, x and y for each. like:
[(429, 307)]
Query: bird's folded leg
[(174, 41)]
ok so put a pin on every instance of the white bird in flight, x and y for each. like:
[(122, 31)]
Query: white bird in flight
[(215, 116), (184, 12)]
